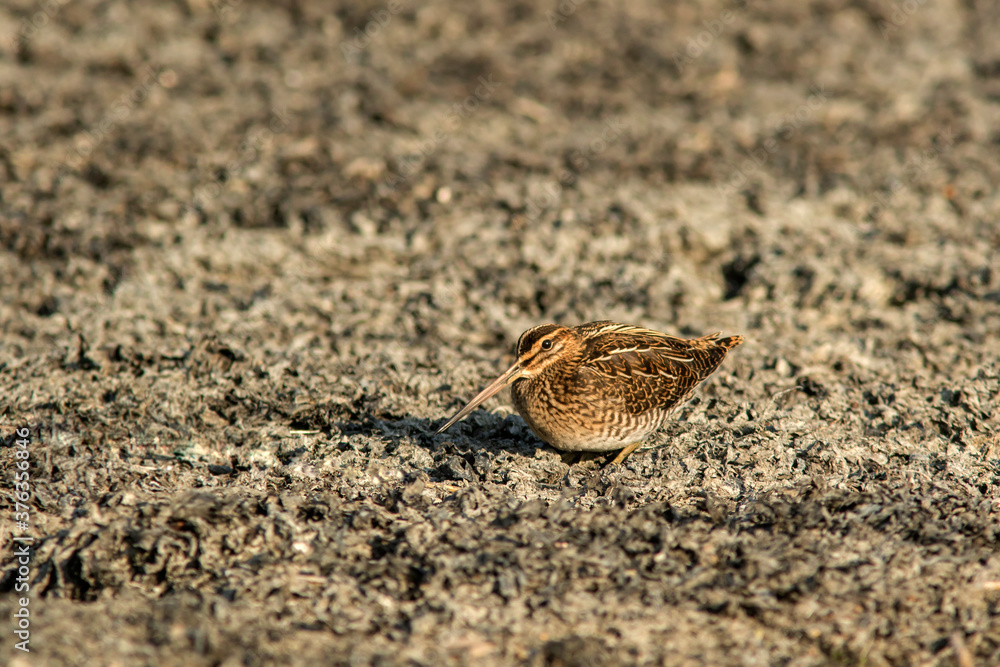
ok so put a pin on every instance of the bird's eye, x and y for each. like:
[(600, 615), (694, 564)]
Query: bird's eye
[(547, 344)]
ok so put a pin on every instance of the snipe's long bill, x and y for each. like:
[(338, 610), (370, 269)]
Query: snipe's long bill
[(602, 386)]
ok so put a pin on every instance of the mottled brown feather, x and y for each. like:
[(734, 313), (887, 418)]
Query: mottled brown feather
[(603, 385), (649, 370)]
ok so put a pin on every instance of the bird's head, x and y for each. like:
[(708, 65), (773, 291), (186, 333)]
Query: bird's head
[(537, 350)]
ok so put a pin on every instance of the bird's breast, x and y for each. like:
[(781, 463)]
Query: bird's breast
[(577, 417)]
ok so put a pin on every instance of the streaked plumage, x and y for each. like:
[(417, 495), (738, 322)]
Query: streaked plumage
[(602, 386)]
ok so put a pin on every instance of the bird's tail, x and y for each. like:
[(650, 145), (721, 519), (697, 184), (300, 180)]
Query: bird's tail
[(729, 342)]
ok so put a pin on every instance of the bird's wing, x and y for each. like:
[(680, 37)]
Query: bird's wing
[(646, 369)]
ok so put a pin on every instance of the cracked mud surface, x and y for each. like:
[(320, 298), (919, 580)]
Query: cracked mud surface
[(241, 289)]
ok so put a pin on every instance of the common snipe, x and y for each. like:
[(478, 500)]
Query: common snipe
[(602, 386)]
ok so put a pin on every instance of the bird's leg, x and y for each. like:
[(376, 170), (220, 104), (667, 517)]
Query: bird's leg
[(573, 458), (569, 458), (623, 454)]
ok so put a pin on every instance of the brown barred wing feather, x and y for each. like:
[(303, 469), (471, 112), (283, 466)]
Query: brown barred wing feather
[(648, 370)]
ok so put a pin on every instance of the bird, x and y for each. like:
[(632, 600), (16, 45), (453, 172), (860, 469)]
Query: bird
[(602, 386)]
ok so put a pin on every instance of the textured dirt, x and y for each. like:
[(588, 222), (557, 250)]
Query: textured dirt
[(251, 258)]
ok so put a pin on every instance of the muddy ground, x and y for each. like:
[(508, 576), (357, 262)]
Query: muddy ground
[(253, 256)]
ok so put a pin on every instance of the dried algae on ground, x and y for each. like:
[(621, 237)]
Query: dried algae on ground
[(238, 298)]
